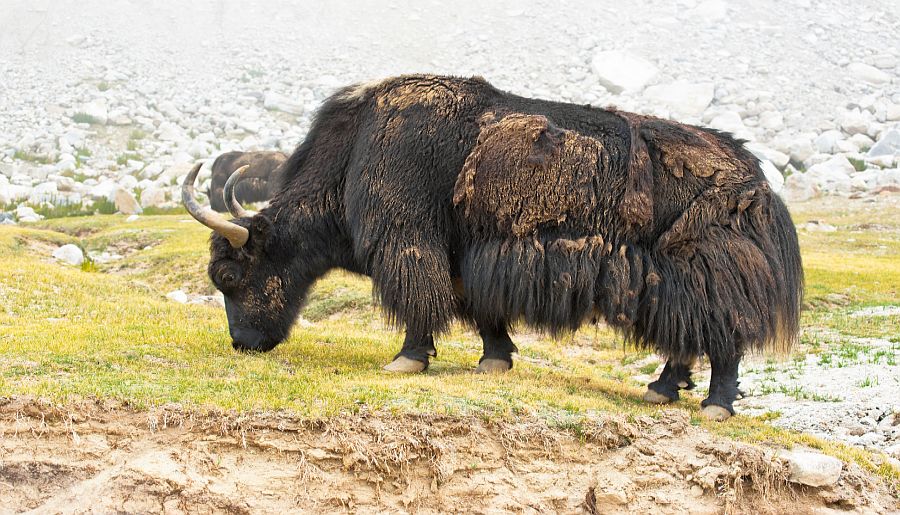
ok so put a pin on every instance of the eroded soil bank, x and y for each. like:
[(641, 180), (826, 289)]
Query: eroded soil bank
[(95, 457)]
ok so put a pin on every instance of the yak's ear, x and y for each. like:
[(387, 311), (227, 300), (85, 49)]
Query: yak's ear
[(260, 229)]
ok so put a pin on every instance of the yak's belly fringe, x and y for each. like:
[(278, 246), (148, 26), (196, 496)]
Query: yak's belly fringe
[(717, 296), (550, 285)]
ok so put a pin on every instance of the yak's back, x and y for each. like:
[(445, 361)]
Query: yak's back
[(525, 173)]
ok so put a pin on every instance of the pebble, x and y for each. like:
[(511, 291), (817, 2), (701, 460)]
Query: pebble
[(811, 468)]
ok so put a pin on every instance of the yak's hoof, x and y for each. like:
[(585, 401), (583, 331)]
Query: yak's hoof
[(716, 413), (493, 366), (404, 365), (654, 397)]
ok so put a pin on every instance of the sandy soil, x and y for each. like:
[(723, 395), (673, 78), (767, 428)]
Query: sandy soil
[(101, 458)]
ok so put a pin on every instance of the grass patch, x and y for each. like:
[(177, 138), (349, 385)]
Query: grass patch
[(858, 164), (32, 158), (85, 118)]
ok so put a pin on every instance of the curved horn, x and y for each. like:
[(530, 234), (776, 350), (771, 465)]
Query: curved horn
[(234, 233), (231, 202)]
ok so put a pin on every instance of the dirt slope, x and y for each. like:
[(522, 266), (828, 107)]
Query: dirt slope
[(101, 458)]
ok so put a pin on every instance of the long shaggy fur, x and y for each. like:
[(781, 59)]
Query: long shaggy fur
[(259, 182)]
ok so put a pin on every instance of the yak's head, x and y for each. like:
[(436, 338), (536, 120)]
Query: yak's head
[(249, 267)]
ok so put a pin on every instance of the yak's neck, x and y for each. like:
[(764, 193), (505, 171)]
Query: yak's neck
[(311, 233)]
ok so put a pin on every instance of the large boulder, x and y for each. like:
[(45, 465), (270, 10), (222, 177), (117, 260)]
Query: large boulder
[(888, 144), (69, 254), (799, 187), (833, 175), (773, 175), (153, 196), (619, 71), (683, 98), (125, 202)]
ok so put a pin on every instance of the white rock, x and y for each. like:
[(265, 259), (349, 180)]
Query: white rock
[(801, 148), (779, 159), (103, 191), (827, 141), (125, 202), (812, 469), (96, 109), (27, 214), (11, 193), (854, 122), (276, 102), (887, 144), (684, 98), (178, 296), (773, 175), (44, 192), (711, 10), (171, 132), (771, 120), (153, 196), (69, 254), (730, 121), (799, 187), (619, 71), (870, 74), (832, 176), (132, 218)]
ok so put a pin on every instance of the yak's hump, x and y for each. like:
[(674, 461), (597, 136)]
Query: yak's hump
[(525, 173)]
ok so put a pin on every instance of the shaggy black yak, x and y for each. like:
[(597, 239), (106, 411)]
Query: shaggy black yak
[(259, 182), (463, 201)]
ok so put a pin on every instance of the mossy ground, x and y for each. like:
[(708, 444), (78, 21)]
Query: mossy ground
[(66, 334)]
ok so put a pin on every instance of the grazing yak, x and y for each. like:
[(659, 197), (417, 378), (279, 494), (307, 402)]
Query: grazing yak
[(259, 182), (463, 201)]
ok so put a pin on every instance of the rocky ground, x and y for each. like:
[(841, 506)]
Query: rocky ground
[(104, 109)]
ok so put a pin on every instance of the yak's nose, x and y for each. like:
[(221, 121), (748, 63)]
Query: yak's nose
[(248, 339)]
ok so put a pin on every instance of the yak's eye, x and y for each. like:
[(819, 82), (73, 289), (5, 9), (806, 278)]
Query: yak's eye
[(228, 277)]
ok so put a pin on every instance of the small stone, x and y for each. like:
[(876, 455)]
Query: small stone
[(866, 73), (683, 98), (619, 71), (178, 296), (27, 214), (276, 102), (69, 254), (812, 469)]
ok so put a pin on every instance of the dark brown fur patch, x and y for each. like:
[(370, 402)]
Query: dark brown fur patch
[(524, 173)]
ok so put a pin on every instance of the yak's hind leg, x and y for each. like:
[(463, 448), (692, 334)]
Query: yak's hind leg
[(723, 388), (674, 377), (498, 348)]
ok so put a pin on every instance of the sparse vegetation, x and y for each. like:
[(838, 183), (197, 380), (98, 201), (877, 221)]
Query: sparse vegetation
[(33, 158), (84, 118), (858, 164)]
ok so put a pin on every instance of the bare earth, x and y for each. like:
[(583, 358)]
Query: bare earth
[(103, 458)]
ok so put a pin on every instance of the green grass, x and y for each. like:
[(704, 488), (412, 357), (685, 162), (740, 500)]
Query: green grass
[(33, 158), (84, 118), (108, 331)]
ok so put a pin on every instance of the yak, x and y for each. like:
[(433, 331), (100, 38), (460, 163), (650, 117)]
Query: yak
[(462, 201), (259, 183)]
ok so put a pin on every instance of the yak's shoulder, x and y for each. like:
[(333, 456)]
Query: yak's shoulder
[(407, 90)]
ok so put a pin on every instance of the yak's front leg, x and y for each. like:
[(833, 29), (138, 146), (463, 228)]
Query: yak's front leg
[(498, 348), (414, 355), (723, 388), (674, 377)]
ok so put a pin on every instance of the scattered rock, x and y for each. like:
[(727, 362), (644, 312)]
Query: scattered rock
[(683, 98), (69, 254), (276, 102), (870, 74), (178, 296), (125, 202), (619, 71), (27, 214), (812, 469), (888, 144)]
